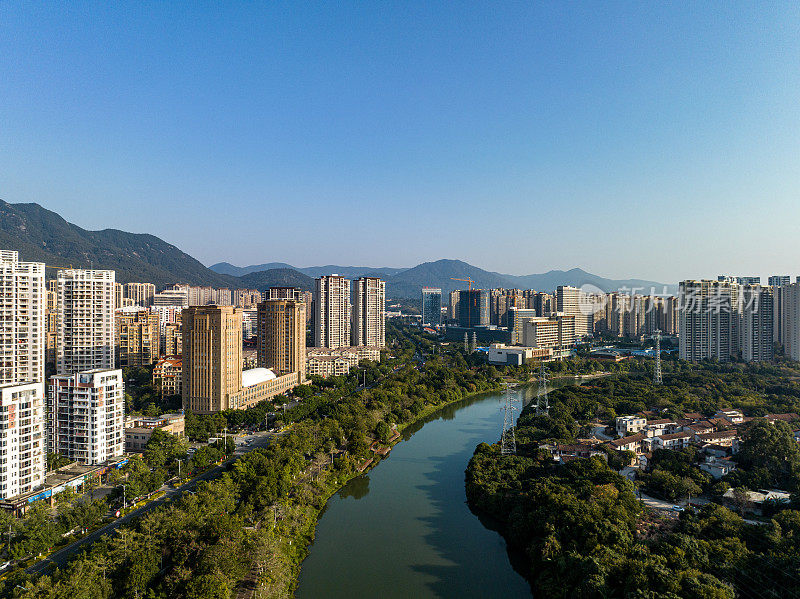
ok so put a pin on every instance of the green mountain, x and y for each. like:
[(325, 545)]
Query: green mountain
[(41, 235), (277, 277)]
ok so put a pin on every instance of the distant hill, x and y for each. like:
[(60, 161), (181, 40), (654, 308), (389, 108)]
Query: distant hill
[(277, 277), (406, 282), (41, 235), (352, 272)]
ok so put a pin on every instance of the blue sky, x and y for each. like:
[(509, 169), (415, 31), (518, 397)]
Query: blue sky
[(631, 139)]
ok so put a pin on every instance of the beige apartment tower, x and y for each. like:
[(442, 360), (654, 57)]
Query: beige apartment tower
[(369, 312), (141, 294), (332, 312), (138, 337), (282, 336), (22, 319), (212, 357)]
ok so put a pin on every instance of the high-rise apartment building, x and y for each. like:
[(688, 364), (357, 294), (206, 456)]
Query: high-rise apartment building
[(22, 438), (282, 336), (86, 415), (757, 324), (332, 312), (543, 303), (780, 280), (85, 339), (246, 298), (171, 339), (452, 306), (138, 337), (500, 300), (22, 319), (432, 306), (706, 320), (368, 326), (172, 297), (141, 294), (517, 317), (212, 357), (119, 295)]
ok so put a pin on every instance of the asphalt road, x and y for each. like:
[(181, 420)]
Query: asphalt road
[(59, 558)]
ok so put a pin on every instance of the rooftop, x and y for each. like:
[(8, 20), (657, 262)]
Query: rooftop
[(254, 376)]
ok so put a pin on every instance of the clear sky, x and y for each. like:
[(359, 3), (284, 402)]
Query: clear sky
[(654, 140)]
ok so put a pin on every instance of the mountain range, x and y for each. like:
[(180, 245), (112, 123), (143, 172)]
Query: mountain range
[(42, 235)]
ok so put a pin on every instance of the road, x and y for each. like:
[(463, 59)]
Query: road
[(244, 444)]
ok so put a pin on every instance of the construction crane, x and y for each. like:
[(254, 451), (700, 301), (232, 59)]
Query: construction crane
[(469, 307)]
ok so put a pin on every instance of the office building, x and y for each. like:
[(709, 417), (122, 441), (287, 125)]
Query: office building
[(332, 312), (368, 325), (22, 438), (281, 341), (573, 301), (172, 297), (473, 308), (138, 337), (555, 332), (86, 415), (85, 339), (431, 306), (757, 325), (517, 317), (22, 319), (141, 294)]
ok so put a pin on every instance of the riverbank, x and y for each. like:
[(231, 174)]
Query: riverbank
[(304, 533)]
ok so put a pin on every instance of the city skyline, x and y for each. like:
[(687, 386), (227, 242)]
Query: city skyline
[(682, 118)]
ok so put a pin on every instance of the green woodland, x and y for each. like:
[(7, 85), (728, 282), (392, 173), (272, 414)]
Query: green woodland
[(253, 524), (579, 527)]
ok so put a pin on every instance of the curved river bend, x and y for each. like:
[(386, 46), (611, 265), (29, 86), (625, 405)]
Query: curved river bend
[(404, 529)]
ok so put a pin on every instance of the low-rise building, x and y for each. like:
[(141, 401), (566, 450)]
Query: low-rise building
[(734, 416), (672, 441), (722, 438), (325, 362), (167, 375), (507, 355), (139, 429), (718, 467), (634, 443), (627, 425)]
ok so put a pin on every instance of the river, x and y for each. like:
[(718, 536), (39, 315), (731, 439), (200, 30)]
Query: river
[(404, 530)]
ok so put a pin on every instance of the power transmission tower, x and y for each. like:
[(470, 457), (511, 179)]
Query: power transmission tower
[(474, 340), (508, 440), (466, 342), (657, 374), (542, 401)]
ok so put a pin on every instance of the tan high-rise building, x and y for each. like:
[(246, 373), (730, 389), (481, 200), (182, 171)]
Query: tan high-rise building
[(141, 294), (138, 337), (22, 322), (282, 336), (212, 357), (172, 339), (85, 338), (369, 312), (119, 296), (332, 312)]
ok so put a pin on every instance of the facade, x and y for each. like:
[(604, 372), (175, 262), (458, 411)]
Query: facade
[(517, 317), (507, 355), (22, 319), (138, 337), (790, 320), (500, 301), (86, 415), (85, 339), (368, 326), (138, 430), (452, 306), (167, 375), (246, 298), (22, 438), (171, 340), (780, 280), (431, 306), (141, 294), (556, 331), (473, 308), (332, 312), (212, 357), (281, 341)]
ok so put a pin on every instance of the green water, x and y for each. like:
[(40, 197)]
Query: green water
[(404, 530)]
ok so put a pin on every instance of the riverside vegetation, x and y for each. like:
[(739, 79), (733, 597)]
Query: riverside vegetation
[(252, 526), (581, 530)]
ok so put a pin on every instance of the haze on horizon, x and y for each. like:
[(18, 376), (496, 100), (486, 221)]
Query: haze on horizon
[(630, 140)]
